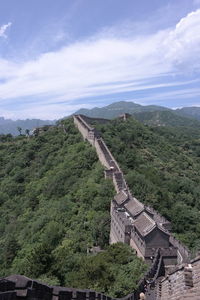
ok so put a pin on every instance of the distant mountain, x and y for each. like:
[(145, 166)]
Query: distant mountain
[(193, 112), (10, 126), (115, 109), (165, 118)]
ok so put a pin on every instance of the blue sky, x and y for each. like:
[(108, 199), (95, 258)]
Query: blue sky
[(59, 56)]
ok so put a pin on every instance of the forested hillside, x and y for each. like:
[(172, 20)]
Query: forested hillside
[(162, 167), (54, 206), (166, 118), (193, 112)]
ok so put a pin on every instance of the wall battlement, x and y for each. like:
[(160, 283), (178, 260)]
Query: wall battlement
[(21, 287), (181, 283), (94, 120)]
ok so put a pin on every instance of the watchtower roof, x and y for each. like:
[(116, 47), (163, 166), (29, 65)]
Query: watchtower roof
[(134, 206), (144, 224), (121, 197)]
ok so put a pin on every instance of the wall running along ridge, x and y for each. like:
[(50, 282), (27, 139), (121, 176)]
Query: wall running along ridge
[(181, 282), (113, 171), (170, 256)]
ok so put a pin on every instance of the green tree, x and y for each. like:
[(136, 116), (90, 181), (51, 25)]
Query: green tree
[(27, 131), (20, 130)]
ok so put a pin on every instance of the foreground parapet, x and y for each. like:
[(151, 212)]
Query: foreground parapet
[(16, 287)]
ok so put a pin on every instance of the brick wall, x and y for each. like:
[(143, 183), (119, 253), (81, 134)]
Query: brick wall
[(104, 154), (17, 287), (182, 283)]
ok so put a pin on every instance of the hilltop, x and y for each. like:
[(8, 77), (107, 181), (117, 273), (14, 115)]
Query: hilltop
[(192, 112), (115, 109)]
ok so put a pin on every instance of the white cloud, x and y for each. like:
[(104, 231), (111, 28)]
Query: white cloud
[(184, 43), (75, 69), (3, 29), (85, 68)]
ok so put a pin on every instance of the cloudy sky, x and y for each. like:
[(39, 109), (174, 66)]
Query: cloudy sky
[(59, 56)]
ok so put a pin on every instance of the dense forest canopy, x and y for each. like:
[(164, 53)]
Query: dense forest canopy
[(162, 168), (54, 206), (166, 118)]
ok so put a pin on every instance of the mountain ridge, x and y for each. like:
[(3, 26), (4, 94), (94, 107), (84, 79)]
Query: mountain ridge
[(8, 126), (113, 110)]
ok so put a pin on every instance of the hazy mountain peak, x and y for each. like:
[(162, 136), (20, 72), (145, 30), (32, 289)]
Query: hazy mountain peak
[(113, 110), (10, 126)]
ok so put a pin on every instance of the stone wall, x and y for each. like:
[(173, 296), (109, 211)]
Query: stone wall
[(183, 251), (17, 287), (81, 127), (182, 283), (120, 230), (90, 120), (137, 245), (104, 154)]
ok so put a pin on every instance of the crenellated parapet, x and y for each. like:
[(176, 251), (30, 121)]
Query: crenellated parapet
[(90, 120), (181, 283), (18, 287), (112, 168)]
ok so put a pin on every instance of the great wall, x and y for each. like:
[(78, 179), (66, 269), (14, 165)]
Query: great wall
[(171, 274)]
